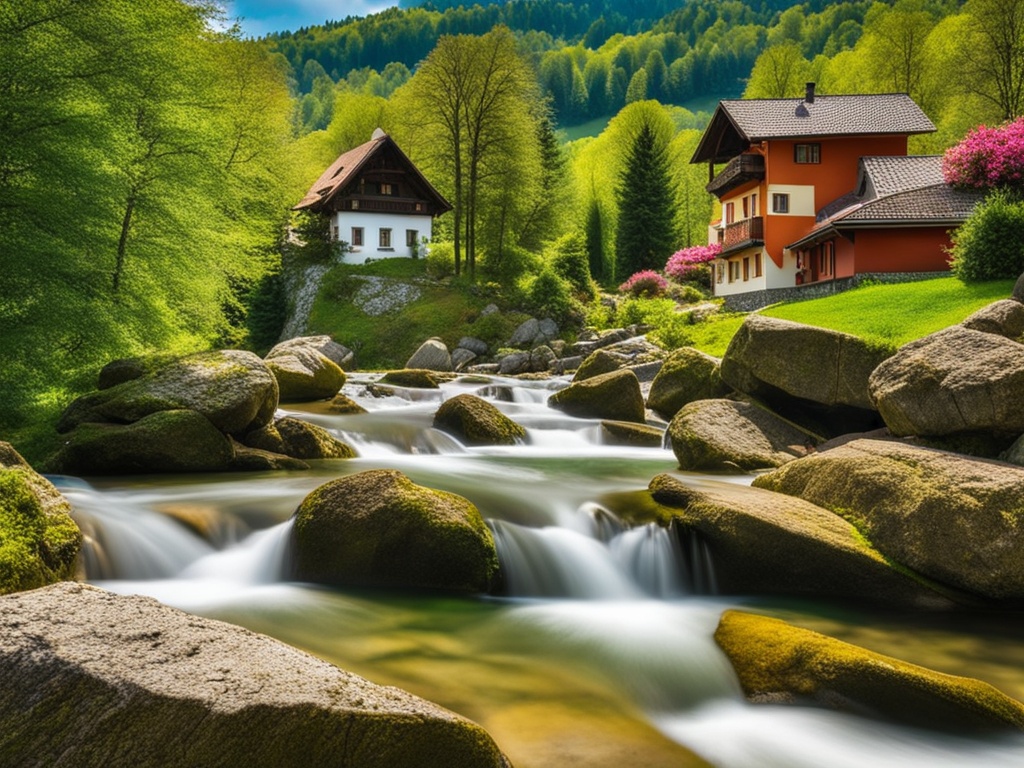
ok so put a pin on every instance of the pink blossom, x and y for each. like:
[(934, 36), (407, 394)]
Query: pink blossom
[(645, 283), (987, 157), (681, 263)]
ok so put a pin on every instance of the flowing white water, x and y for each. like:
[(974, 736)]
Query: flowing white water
[(611, 611)]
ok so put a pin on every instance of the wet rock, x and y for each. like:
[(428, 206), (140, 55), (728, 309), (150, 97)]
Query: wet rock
[(39, 542), (379, 529), (515, 364), (74, 660), (474, 421), (345, 405), (541, 358), (764, 543), (1005, 318), (299, 439), (233, 389), (953, 382), (615, 396), (166, 441), (461, 358), (411, 377), (599, 362), (303, 371), (686, 375), (631, 434), (248, 459), (778, 662), (432, 355), (954, 519), (724, 435)]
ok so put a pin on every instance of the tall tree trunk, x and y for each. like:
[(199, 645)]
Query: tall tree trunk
[(122, 242)]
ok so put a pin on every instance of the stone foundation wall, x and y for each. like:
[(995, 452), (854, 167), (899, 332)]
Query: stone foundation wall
[(748, 302)]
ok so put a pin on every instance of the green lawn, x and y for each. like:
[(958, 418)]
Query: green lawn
[(892, 315)]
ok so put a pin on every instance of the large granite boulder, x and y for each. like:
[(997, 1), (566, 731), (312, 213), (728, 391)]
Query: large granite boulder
[(92, 679), (598, 362), (233, 389), (476, 422), (303, 371), (378, 528), (1004, 317), (955, 381), (686, 375), (957, 520), (631, 434), (730, 436), (768, 543), (777, 662), (299, 439), (39, 541), (615, 396), (416, 378), (165, 441), (340, 355), (812, 375), (432, 355)]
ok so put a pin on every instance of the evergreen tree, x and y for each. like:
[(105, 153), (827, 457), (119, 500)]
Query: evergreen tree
[(594, 241), (646, 233)]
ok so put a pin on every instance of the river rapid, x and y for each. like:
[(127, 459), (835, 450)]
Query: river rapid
[(601, 655)]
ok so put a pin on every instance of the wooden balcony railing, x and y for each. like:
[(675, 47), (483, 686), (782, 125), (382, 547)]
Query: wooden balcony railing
[(740, 170), (743, 231)]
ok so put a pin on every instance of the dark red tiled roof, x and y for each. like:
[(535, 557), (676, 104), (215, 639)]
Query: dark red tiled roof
[(340, 172)]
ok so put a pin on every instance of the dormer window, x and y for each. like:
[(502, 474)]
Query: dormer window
[(807, 153)]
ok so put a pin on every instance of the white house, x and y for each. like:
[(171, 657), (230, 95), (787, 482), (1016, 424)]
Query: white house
[(377, 200)]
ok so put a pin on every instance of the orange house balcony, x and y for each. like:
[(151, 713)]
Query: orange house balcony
[(742, 234), (739, 171)]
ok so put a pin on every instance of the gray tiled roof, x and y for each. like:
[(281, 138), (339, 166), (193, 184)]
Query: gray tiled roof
[(887, 175), (875, 113), (938, 202)]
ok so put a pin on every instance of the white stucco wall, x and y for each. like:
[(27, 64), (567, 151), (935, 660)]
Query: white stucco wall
[(801, 199), (725, 288), (372, 223)]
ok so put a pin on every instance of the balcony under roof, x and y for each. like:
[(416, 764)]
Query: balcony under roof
[(741, 170)]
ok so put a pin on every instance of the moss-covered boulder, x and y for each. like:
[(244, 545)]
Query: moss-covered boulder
[(345, 405), (128, 368), (955, 381), (233, 389), (39, 542), (299, 439), (629, 433), (729, 436), (615, 396), (303, 372), (165, 441), (596, 363), (475, 421), (248, 459), (957, 520), (416, 378), (378, 528), (778, 662), (93, 679), (767, 543), (813, 376), (1004, 318), (686, 375)]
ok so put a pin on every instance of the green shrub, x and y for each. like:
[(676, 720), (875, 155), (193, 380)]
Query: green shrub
[(990, 244), (441, 260), (510, 264), (568, 256), (496, 328), (687, 294), (268, 309), (549, 295)]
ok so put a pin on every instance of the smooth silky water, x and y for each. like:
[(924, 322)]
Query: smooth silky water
[(602, 655)]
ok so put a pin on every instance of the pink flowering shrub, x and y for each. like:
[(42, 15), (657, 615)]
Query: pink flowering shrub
[(683, 263), (987, 158), (646, 283)]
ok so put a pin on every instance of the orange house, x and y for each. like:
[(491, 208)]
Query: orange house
[(819, 190)]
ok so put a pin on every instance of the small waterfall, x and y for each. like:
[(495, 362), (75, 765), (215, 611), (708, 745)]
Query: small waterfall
[(696, 556), (259, 559), (652, 556)]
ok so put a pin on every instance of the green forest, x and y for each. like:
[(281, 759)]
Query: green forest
[(150, 154)]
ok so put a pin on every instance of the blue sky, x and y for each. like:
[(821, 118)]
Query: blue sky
[(263, 16)]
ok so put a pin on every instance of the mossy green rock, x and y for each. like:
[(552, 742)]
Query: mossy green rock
[(628, 433), (378, 528), (687, 375), (777, 662), (615, 396), (769, 543), (955, 519), (299, 439), (304, 374), (729, 436), (39, 542), (596, 363), (344, 404), (417, 378), (166, 441), (824, 366), (952, 382), (93, 679), (476, 422), (233, 389)]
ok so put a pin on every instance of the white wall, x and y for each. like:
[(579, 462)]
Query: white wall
[(372, 223), (801, 199), (725, 288)]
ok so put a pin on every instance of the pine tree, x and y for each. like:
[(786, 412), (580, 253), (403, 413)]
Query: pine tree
[(646, 234), (594, 242)]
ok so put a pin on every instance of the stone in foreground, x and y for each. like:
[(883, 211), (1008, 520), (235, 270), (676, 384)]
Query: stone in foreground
[(379, 529), (777, 662), (91, 679)]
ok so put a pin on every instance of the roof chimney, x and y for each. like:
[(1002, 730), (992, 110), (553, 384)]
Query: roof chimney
[(809, 93)]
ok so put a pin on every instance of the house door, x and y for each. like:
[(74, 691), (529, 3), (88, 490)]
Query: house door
[(815, 264)]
